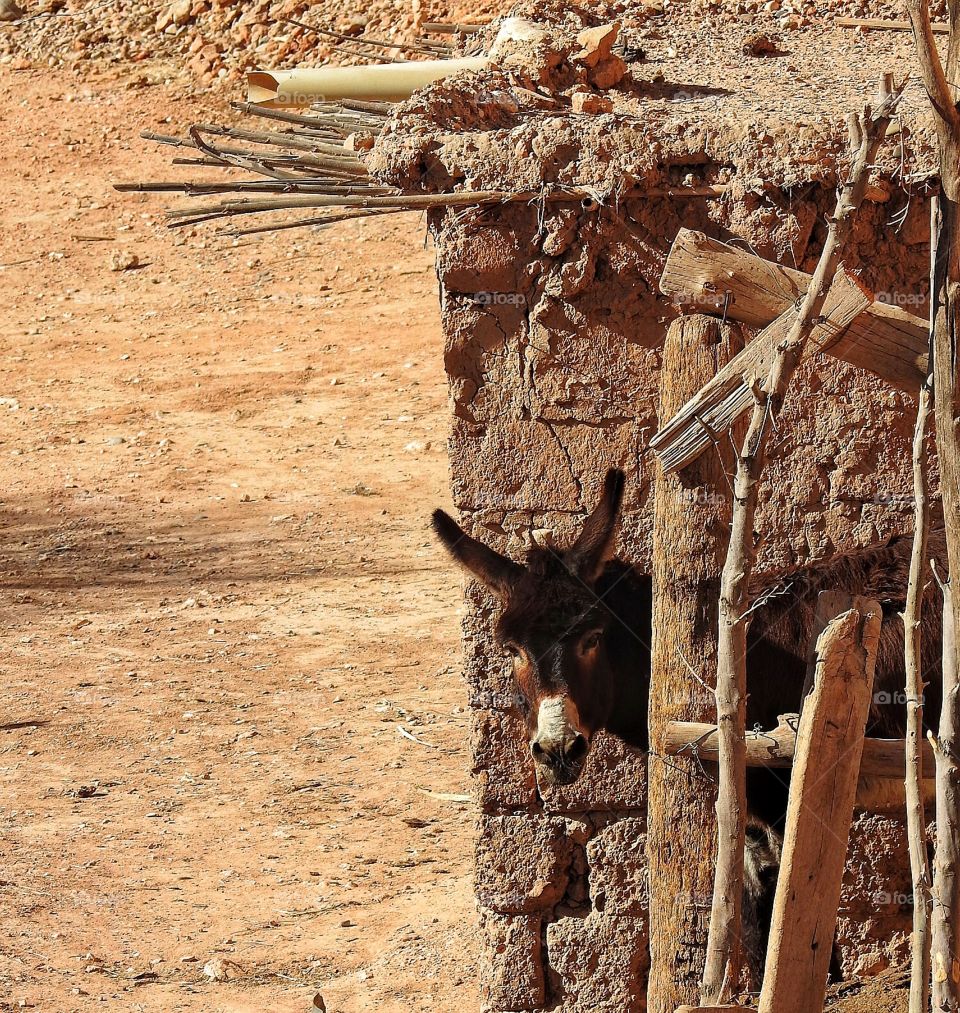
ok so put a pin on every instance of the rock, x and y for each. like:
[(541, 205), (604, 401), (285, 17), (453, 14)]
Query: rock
[(596, 43), (760, 45), (359, 142), (181, 12), (123, 260), (587, 102), (607, 73), (218, 969), (9, 11), (355, 26)]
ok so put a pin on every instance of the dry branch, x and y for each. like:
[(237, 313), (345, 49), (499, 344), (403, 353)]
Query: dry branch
[(829, 745), (710, 276), (945, 919), (893, 26), (914, 689), (866, 134)]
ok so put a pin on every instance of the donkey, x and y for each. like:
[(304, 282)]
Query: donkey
[(577, 626)]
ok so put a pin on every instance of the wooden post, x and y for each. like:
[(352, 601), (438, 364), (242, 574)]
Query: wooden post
[(820, 810), (691, 516), (941, 87)]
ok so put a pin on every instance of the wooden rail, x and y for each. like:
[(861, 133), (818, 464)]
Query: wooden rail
[(776, 748)]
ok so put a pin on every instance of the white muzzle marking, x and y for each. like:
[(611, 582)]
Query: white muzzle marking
[(557, 721)]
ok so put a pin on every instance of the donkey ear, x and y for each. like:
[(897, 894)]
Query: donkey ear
[(596, 542), (494, 571)]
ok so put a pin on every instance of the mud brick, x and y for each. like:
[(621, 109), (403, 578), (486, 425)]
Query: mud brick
[(513, 976), (523, 862), (487, 260), (501, 761), (614, 778), (598, 964), (876, 902), (618, 868)]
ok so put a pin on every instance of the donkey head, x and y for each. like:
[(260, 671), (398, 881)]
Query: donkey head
[(555, 628)]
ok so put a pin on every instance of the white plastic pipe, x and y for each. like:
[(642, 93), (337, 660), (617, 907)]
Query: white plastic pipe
[(390, 82)]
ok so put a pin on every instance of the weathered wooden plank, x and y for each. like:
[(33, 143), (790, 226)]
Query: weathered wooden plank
[(718, 404), (776, 748), (703, 273), (691, 521), (820, 810)]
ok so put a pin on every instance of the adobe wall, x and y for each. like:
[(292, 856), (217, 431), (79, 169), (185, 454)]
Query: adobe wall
[(553, 330)]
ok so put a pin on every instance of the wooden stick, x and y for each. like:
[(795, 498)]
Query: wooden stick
[(452, 28), (710, 276), (820, 810), (722, 966), (719, 403), (892, 26), (914, 688), (691, 515), (776, 748), (945, 918)]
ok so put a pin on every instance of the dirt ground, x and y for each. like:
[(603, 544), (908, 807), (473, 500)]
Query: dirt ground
[(231, 725)]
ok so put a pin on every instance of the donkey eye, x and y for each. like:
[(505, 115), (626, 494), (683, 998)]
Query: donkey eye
[(591, 640), (511, 651)]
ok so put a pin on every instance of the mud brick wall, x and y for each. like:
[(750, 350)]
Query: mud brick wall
[(553, 330)]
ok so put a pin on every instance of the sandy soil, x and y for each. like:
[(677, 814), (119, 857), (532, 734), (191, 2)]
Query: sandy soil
[(223, 614)]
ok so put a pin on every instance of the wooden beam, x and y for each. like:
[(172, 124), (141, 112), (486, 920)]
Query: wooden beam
[(820, 811), (777, 747), (691, 519), (710, 276), (719, 403)]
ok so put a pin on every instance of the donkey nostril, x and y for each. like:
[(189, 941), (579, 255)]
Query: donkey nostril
[(538, 751), (577, 749)]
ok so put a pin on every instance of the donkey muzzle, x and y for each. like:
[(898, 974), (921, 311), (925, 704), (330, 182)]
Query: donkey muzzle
[(559, 748)]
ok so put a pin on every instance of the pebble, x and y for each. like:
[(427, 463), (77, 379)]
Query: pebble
[(122, 260)]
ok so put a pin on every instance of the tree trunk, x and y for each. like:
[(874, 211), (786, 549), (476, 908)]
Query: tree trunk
[(692, 512)]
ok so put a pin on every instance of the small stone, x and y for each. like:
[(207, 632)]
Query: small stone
[(587, 102), (760, 45), (216, 969), (123, 260), (359, 142), (597, 43)]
